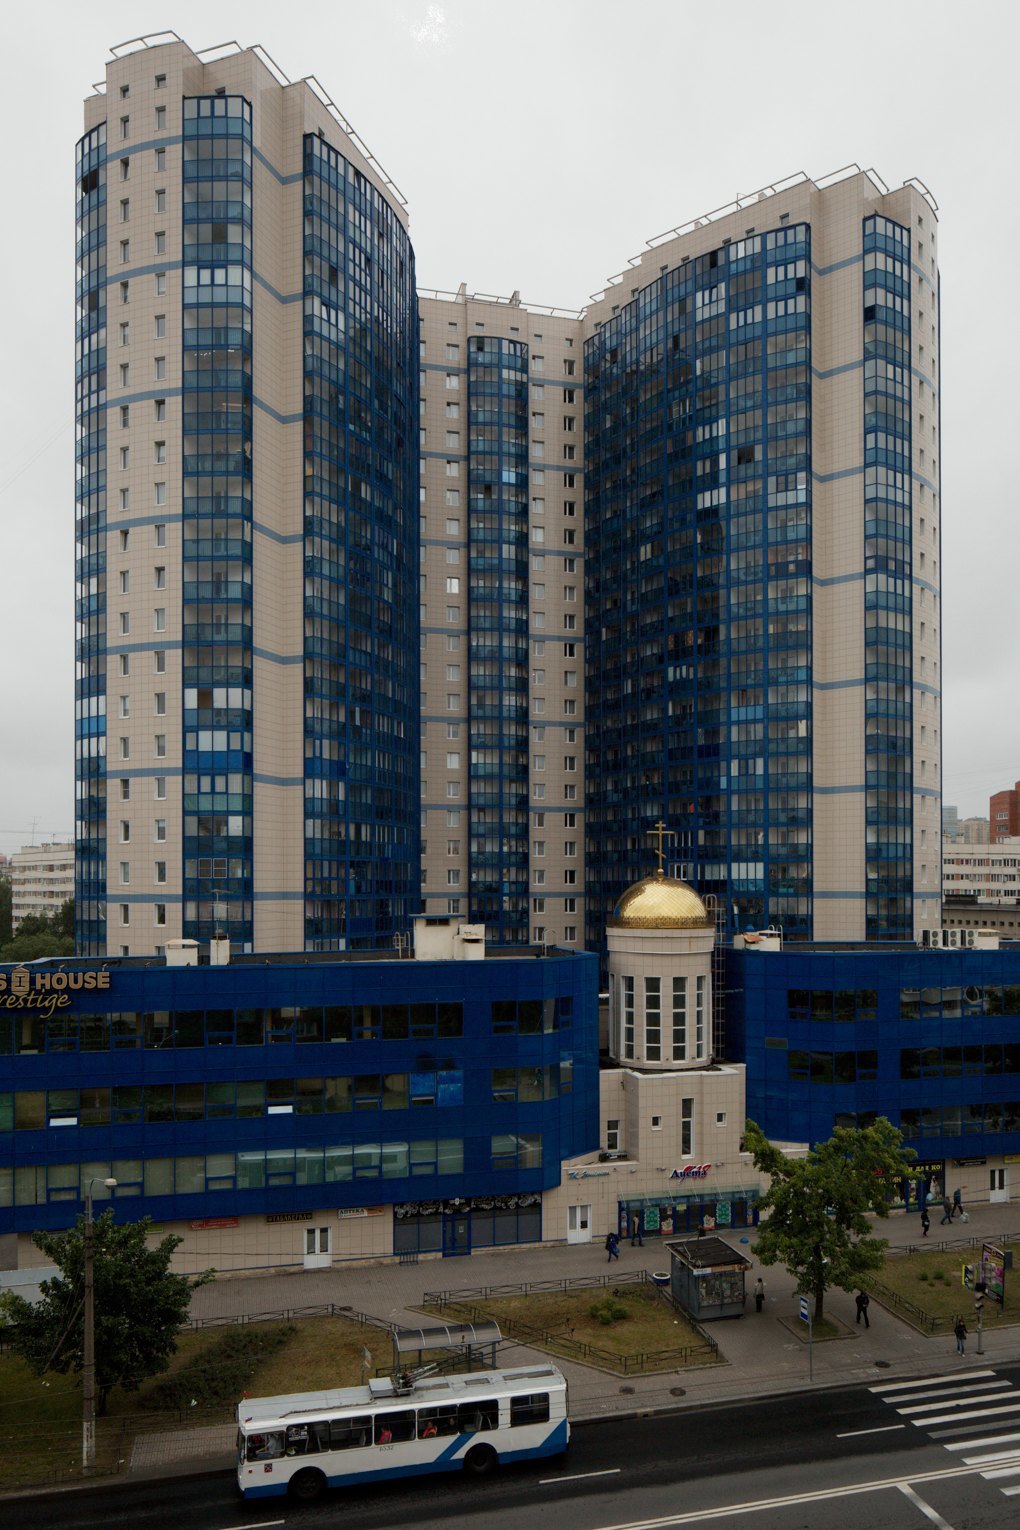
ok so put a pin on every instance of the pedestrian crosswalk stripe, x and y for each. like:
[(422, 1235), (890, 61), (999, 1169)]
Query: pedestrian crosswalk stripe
[(981, 1387), (996, 1390), (997, 1439), (965, 1401), (928, 1381), (953, 1418)]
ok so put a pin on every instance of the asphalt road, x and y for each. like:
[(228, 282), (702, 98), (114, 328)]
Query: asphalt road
[(944, 1450)]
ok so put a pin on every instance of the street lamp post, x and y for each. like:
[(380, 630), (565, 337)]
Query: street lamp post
[(88, 1367)]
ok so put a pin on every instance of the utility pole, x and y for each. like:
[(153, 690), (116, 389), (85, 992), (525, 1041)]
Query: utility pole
[(88, 1365), (979, 1307)]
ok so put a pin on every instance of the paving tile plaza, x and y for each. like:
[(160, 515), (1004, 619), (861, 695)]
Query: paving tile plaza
[(760, 1353)]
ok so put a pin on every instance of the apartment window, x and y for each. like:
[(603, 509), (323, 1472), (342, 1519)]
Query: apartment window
[(612, 1136), (159, 531), (125, 251), (452, 382), (125, 873), (159, 788), (125, 831), (159, 828), (161, 913), (453, 440), (161, 871), (125, 581), (453, 788), (453, 470), (538, 847), (125, 623), (125, 127), (125, 706), (569, 368), (125, 169), (159, 367), (538, 762), (538, 877), (125, 913), (686, 1126), (569, 848), (452, 528), (160, 119), (124, 663), (159, 661), (125, 499), (124, 374), (159, 577), (453, 760), (453, 613), (453, 352), (160, 743), (161, 243), (125, 415), (160, 159), (452, 585), (159, 619), (538, 363), (160, 408), (570, 762), (125, 748), (160, 81), (125, 330), (159, 698)]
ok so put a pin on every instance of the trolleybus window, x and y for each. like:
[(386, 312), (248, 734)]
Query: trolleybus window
[(531, 1409), (394, 1428)]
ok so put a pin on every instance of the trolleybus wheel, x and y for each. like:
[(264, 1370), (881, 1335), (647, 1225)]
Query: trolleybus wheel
[(307, 1485), (480, 1460)]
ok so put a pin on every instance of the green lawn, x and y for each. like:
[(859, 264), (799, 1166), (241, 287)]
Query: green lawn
[(931, 1281), (40, 1417), (648, 1325)]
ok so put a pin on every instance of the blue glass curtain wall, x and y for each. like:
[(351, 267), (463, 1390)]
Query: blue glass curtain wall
[(362, 728), (90, 546), (217, 519), (498, 621), (888, 606), (698, 527)]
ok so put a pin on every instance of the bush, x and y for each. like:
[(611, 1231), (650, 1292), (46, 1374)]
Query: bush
[(922, 1274), (938, 1274), (220, 1373), (609, 1311)]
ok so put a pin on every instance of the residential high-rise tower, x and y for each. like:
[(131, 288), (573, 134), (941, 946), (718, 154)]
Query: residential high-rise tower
[(247, 667)]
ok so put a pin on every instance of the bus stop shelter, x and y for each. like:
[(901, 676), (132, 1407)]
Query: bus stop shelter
[(475, 1343)]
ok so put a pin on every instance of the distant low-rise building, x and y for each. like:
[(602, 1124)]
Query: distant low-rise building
[(42, 879), (983, 873), (1004, 814)]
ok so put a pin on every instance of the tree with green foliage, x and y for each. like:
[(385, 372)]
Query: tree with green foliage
[(139, 1305), (40, 935), (818, 1207), (6, 900)]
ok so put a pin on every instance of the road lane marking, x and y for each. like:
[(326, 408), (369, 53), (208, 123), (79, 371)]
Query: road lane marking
[(611, 1471), (885, 1429), (997, 1439), (925, 1508), (955, 1418), (957, 1391), (928, 1381), (1010, 1492), (793, 1500), (258, 1524), (1002, 1471)]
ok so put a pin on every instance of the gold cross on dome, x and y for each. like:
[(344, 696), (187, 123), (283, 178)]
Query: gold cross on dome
[(660, 832)]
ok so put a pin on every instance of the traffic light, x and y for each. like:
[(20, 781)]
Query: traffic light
[(980, 1287)]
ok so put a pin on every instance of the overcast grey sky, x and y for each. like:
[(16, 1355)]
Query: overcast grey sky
[(539, 145)]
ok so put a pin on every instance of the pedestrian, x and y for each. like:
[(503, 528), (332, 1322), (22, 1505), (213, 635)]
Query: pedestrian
[(960, 1330), (925, 1221), (957, 1201), (947, 1211), (863, 1303), (612, 1247), (635, 1231), (759, 1295)]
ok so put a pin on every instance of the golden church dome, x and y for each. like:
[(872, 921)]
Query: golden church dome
[(660, 903)]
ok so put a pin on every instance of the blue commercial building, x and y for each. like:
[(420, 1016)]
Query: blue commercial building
[(299, 1109), (928, 1038)]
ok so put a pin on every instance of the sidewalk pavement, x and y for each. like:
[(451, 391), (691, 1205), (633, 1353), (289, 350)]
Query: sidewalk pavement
[(762, 1354)]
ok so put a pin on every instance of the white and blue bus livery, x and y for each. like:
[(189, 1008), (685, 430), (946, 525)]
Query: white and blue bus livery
[(308, 1441)]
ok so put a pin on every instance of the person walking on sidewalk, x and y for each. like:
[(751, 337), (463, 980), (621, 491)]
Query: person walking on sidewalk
[(863, 1302), (635, 1231), (957, 1202), (759, 1295), (925, 1221), (960, 1330), (947, 1211), (612, 1247)]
